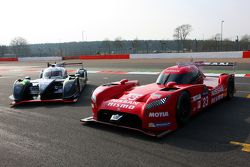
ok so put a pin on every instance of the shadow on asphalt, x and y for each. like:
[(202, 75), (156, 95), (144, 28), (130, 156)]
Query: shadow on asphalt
[(208, 131)]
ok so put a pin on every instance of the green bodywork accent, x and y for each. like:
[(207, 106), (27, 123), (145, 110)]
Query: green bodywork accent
[(25, 82)]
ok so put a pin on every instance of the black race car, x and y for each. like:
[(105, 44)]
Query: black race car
[(54, 85)]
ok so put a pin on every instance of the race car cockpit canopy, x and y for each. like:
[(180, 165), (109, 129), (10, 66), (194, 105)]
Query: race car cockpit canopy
[(181, 75), (54, 73)]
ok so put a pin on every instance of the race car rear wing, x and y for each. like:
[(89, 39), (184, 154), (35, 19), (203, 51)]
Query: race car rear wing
[(217, 64), (214, 64), (63, 64), (232, 64)]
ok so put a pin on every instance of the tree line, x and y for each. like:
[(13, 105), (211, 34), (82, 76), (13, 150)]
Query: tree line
[(19, 47)]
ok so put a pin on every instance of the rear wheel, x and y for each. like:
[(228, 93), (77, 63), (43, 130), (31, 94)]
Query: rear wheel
[(183, 108), (230, 88)]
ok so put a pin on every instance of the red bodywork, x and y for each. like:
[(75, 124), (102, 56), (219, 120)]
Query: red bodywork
[(152, 108)]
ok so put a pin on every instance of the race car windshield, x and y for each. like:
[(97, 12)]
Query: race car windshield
[(53, 75), (178, 78)]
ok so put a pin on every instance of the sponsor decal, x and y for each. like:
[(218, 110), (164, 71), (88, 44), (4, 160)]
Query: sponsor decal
[(205, 101), (115, 117), (198, 104), (216, 98), (218, 63), (120, 103), (217, 90), (132, 96), (156, 125), (196, 97), (124, 101), (158, 114), (119, 106), (155, 96)]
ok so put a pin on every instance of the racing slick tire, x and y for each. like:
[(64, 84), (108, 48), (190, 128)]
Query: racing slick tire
[(230, 88), (183, 108)]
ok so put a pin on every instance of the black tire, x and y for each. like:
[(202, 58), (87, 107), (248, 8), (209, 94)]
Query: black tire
[(183, 108), (78, 84), (230, 88)]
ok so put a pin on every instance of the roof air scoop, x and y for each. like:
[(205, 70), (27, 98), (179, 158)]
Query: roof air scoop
[(123, 81), (171, 84)]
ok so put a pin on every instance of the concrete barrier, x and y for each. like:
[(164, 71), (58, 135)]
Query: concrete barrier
[(237, 54), (39, 58)]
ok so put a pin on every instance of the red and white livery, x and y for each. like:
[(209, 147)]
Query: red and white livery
[(155, 109)]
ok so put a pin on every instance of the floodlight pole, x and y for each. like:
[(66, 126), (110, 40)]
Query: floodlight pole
[(221, 34)]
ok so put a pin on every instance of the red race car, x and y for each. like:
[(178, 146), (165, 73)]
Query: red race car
[(158, 108)]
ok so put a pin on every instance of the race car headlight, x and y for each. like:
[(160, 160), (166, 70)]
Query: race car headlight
[(95, 93), (156, 103), (93, 97)]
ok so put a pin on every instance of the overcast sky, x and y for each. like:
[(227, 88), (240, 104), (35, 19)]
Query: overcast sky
[(41, 21)]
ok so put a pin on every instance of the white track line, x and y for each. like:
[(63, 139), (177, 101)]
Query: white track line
[(155, 73), (144, 73)]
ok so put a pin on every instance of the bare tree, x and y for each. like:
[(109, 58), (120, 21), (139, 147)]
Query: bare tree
[(107, 45), (3, 50), (19, 46), (163, 45), (214, 42), (118, 44), (245, 42), (217, 37), (135, 45), (181, 33), (245, 38)]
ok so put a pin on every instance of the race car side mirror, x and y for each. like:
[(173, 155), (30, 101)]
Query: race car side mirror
[(41, 75), (171, 84), (123, 81), (27, 77)]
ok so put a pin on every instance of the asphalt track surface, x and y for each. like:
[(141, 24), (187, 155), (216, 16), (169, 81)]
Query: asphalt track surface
[(51, 134)]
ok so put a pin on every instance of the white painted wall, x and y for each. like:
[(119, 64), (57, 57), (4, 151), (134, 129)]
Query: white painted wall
[(39, 58), (237, 54)]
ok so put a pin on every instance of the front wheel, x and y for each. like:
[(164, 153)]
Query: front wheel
[(230, 88), (183, 108)]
